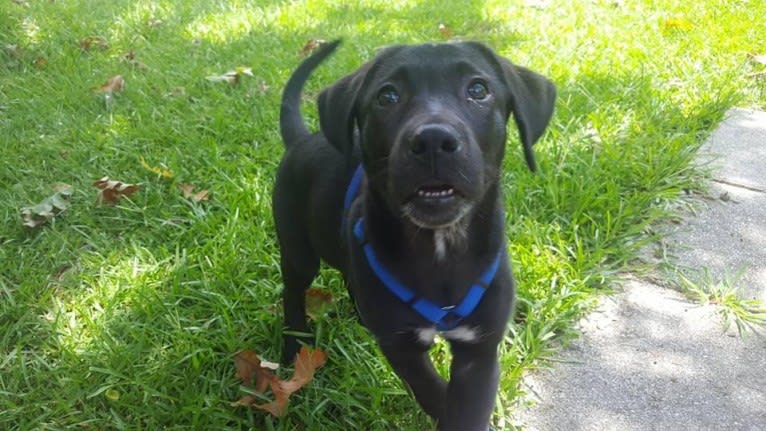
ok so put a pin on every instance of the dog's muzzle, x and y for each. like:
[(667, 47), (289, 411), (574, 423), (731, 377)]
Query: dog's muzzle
[(434, 158)]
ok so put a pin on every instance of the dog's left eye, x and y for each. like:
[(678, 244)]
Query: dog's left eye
[(388, 96), (478, 90)]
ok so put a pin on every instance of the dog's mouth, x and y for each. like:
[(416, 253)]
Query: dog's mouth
[(443, 192), (435, 206)]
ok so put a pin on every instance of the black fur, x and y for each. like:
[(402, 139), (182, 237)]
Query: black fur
[(431, 141)]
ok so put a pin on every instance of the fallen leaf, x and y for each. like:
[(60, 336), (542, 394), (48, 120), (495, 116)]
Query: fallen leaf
[(47, 209), (310, 46), (112, 191), (188, 192), (306, 363), (130, 58), (278, 407), (317, 302), (249, 366), (114, 85), (246, 401), (93, 42), (200, 196), (679, 24), (445, 31), (159, 170), (232, 76), (40, 62)]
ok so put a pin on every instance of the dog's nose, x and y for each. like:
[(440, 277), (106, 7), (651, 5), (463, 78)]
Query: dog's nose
[(434, 139)]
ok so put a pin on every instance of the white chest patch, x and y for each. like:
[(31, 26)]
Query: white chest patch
[(461, 333), (440, 247), (426, 335)]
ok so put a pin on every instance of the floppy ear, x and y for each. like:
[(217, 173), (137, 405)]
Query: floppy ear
[(337, 110), (532, 99)]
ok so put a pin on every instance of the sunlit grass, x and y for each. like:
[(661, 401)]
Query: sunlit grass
[(746, 314)]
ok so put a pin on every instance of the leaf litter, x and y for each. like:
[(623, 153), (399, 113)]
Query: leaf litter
[(48, 208), (259, 375), (112, 190)]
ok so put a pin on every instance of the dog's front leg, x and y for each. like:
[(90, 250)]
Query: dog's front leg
[(413, 365), (472, 387)]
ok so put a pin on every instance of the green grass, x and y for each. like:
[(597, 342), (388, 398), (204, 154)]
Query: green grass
[(746, 314), (128, 317)]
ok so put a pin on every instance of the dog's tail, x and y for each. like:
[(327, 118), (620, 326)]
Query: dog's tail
[(291, 124)]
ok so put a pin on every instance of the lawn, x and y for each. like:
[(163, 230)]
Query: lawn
[(128, 316)]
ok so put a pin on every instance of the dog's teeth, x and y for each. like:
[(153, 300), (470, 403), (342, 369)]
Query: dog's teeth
[(436, 193)]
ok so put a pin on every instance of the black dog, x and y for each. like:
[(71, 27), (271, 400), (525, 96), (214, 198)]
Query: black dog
[(412, 142)]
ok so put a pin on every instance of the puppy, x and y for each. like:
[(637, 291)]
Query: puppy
[(401, 192)]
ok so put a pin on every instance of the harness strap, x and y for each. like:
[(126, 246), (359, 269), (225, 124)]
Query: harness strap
[(353, 187), (445, 318)]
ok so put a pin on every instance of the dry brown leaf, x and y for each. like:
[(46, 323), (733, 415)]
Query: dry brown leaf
[(112, 191), (114, 85), (246, 401), (130, 58), (249, 366), (310, 46), (188, 192), (317, 302), (200, 196), (307, 361), (94, 42), (278, 407), (186, 189), (445, 31)]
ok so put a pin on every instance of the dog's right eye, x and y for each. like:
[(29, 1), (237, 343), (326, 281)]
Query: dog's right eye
[(388, 96)]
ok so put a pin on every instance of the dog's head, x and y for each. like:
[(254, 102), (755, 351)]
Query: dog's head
[(432, 124)]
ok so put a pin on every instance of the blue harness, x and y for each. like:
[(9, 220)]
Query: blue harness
[(445, 318)]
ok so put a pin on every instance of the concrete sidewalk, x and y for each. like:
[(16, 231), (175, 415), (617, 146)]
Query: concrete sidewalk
[(649, 359)]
